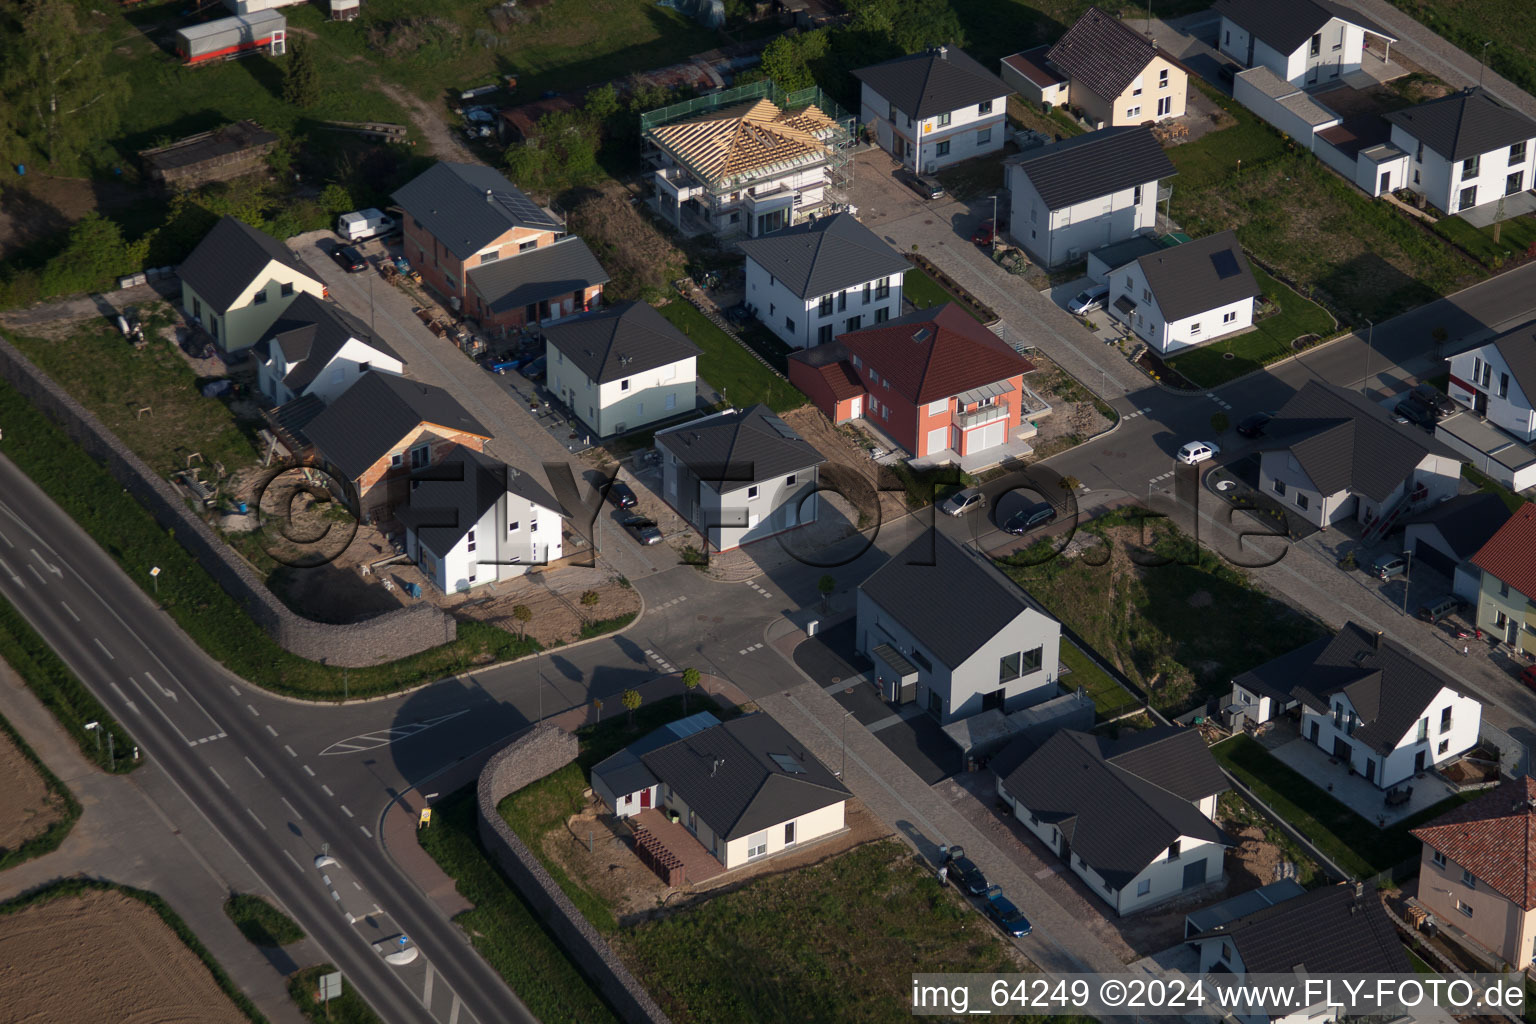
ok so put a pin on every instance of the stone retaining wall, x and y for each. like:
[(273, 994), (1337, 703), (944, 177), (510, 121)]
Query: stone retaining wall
[(381, 639), (541, 750)]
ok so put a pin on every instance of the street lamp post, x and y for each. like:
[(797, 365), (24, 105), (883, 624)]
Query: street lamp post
[(95, 727), (994, 225), (154, 574), (843, 772), (1407, 574), (1483, 66), (1370, 333)]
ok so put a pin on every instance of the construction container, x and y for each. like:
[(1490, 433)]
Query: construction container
[(233, 37), (345, 10)]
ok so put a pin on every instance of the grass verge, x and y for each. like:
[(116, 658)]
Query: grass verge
[(349, 1008), (1487, 485), (598, 627), (1516, 237), (925, 293), (503, 928), (1268, 342), (260, 922), (732, 369), (1109, 697)]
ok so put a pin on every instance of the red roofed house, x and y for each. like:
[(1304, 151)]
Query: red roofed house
[(1506, 604), (1477, 873), (935, 381)]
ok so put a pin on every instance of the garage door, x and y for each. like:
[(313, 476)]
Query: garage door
[(992, 434), (1434, 558)]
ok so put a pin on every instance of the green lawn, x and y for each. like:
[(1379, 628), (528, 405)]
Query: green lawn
[(349, 1008), (1223, 154), (1487, 485), (1351, 842), (1109, 697), (1270, 340), (925, 293), (733, 370), (1516, 236), (1468, 24), (260, 922)]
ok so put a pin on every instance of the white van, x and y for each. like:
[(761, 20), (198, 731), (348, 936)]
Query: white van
[(364, 224)]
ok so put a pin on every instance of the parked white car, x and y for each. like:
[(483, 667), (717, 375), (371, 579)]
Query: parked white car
[(1198, 451)]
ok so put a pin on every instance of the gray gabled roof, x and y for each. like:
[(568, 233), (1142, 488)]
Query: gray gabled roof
[(1118, 820), (734, 448), (985, 601), (1286, 25), (620, 341), (935, 81), (450, 496), (309, 334), (729, 777), (1325, 931), (823, 255), (231, 256), (1102, 53), (468, 206), (1173, 759), (370, 418), (1464, 124), (1344, 441), (1466, 522), (1203, 274), (557, 269), (1094, 164), (625, 773), (1517, 347)]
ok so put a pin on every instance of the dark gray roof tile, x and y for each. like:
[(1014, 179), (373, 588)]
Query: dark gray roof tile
[(1102, 53), (1518, 348), (1285, 26), (1197, 276), (1326, 931), (229, 259), (734, 448), (1093, 165), (557, 269), (450, 496), (1466, 522), (310, 333), (1464, 124), (372, 416), (620, 341), (468, 206), (933, 82), (823, 255)]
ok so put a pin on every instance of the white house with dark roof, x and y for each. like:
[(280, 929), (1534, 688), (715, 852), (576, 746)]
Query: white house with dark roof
[(1332, 454), (739, 476), (318, 348), (1496, 379), (1084, 193), (1366, 700), (982, 646), (1134, 817), (471, 520), (1335, 929), (745, 788), (1466, 149), (1185, 295), (1446, 536), (1305, 42), (935, 108), (621, 368), (821, 278), (238, 281)]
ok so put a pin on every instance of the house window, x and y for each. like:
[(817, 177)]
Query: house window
[(882, 289), (1173, 850), (420, 456), (1226, 952), (854, 323), (1228, 40), (943, 120), (866, 292), (1466, 909), (1517, 153), (842, 301), (823, 334), (1468, 879), (1162, 79), (826, 305), (789, 833), (469, 540), (1438, 859), (882, 315), (1470, 166), (1228, 317), (1316, 46), (859, 362), (1503, 385), (624, 385), (984, 107), (1136, 91), (1503, 592), (396, 460), (512, 527), (260, 298), (1423, 733), (751, 492), (285, 289), (1136, 196), (984, 136), (1032, 660), (533, 526), (1302, 501), (490, 257), (1514, 183), (1133, 111), (1194, 328), (1445, 719), (1444, 748), (789, 325), (1146, 295), (1144, 887), (885, 412), (789, 481), (528, 245), (757, 846), (1164, 106), (891, 111), (942, 149), (1008, 667)]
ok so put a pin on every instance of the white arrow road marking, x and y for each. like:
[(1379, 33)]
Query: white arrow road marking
[(164, 692), (124, 697), (12, 574)]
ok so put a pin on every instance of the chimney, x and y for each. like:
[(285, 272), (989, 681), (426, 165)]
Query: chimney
[(1378, 640), (944, 53)]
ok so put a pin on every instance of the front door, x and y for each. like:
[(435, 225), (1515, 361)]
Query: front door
[(1313, 737), (1341, 749), (1194, 873), (856, 407), (898, 145), (1480, 402), (645, 797), (935, 704), (1370, 770), (1418, 761), (1386, 182)]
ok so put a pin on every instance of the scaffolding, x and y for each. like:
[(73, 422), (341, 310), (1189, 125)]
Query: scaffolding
[(837, 139)]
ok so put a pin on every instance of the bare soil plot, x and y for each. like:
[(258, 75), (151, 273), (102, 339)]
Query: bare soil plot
[(27, 808), (101, 955)]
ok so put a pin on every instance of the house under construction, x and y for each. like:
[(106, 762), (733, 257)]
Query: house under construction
[(749, 160)]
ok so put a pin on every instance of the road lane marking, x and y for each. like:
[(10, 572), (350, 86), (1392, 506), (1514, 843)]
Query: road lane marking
[(70, 610), (308, 771), (345, 811), (258, 771), (272, 731), (365, 831), (290, 750), (124, 698), (295, 863), (166, 693), (327, 790), (11, 573), (453, 1014), (252, 709), (426, 990), (292, 808), (255, 819), (234, 689), (218, 776), (384, 737), (33, 570)]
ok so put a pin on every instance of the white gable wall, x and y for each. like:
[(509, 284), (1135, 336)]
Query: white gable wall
[(798, 322), (1442, 181), (1054, 237), (659, 393), (1501, 399), (1332, 734)]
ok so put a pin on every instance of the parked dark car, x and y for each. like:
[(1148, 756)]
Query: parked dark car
[(1528, 676), (1439, 608), (1228, 72), (642, 529), (349, 259), (534, 370), (1413, 412), (1029, 517), (1436, 399), (925, 186), (499, 365), (967, 876), (1007, 916), (622, 495), (1253, 426)]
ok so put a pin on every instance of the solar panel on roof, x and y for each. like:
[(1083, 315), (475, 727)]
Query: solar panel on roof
[(525, 210), (1225, 263), (922, 335), (783, 428), (788, 764)]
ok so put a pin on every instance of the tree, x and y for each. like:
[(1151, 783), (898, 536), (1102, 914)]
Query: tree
[(691, 680), (825, 586), (787, 59), (631, 701), (336, 198), (301, 75), (95, 253), (1220, 422), (58, 97), (523, 614), (601, 103), (526, 164)]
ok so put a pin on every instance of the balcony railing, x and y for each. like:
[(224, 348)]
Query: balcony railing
[(977, 417)]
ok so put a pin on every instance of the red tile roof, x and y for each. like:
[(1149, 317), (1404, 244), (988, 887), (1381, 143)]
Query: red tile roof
[(1494, 837), (954, 355), (1510, 554), (1031, 64), (840, 380)]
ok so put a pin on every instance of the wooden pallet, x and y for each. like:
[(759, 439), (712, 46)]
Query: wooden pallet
[(372, 129)]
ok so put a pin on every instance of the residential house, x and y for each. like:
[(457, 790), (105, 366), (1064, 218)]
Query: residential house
[(1305, 42), (822, 277), (1205, 918), (739, 476), (749, 167), (318, 348), (1134, 817), (1366, 700), (1497, 379), (935, 381), (1116, 75), (382, 429), (471, 520), (1086, 192), (622, 781), (1506, 602), (1336, 929), (745, 788), (948, 631), (1030, 75), (621, 368), (1467, 149), (1332, 454), (1185, 295), (491, 251), (238, 281), (1477, 870), (935, 108), (1446, 536)]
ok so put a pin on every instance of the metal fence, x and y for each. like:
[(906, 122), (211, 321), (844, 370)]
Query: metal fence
[(812, 96)]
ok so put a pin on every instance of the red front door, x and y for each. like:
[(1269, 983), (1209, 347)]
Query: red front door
[(645, 797)]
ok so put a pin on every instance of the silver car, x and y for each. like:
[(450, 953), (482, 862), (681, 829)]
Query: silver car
[(1088, 300), (961, 502)]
